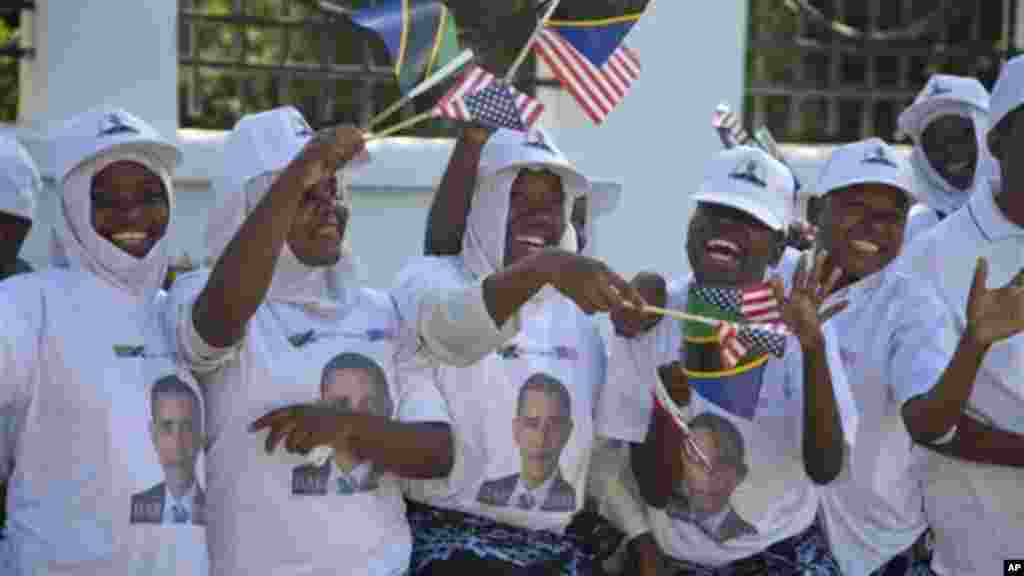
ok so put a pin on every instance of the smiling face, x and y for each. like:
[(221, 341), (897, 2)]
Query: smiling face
[(130, 207), (862, 228), (727, 246), (951, 146), (536, 214), (319, 226)]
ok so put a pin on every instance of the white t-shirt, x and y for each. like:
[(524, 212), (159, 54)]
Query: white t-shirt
[(276, 513), (776, 500), (897, 340), (976, 511), (920, 219), (79, 362), (510, 407)]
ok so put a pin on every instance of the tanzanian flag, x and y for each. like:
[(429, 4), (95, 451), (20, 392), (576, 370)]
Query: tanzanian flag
[(420, 36)]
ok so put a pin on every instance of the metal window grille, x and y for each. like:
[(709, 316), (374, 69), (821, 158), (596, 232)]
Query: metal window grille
[(12, 50), (821, 71), (242, 56)]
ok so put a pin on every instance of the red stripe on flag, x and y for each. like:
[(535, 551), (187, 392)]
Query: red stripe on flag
[(578, 85)]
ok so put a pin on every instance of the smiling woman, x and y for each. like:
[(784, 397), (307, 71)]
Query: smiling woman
[(130, 206)]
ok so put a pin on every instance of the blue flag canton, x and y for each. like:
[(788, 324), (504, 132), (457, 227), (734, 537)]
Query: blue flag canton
[(763, 340), (495, 105), (596, 41), (728, 299)]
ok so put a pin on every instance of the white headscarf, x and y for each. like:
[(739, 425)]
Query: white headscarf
[(504, 155), (19, 179), (259, 148), (76, 244), (947, 96)]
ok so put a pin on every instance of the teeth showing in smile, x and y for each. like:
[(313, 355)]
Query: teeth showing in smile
[(532, 241), (723, 251), (865, 246), (329, 230), (129, 237)]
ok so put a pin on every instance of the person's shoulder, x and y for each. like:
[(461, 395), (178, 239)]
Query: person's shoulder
[(432, 270)]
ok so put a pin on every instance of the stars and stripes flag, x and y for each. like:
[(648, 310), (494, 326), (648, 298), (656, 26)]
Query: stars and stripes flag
[(591, 60), (480, 97), (762, 331)]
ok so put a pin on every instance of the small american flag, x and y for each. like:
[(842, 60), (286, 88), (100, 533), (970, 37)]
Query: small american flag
[(598, 86), (740, 341), (757, 303), (480, 97)]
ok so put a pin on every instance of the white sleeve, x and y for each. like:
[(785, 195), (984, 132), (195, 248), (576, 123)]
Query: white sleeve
[(624, 408), (922, 343), (197, 354), (449, 315), (19, 364), (419, 398), (613, 486)]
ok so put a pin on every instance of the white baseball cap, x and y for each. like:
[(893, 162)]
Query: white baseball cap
[(1008, 93), (870, 161), (19, 179), (99, 130), (536, 149), (750, 180), (942, 90)]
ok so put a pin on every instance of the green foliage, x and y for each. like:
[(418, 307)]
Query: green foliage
[(8, 76)]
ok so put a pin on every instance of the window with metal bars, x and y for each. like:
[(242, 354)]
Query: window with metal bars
[(242, 56), (12, 49), (825, 71)]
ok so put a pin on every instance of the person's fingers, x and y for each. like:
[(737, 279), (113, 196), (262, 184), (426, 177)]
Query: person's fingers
[(818, 271), (832, 309), (800, 274), (978, 283), (295, 438), (277, 432), (270, 418), (830, 284)]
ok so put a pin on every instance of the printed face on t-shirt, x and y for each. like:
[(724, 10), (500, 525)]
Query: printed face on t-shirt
[(709, 491), (542, 427), (176, 431), (355, 383)]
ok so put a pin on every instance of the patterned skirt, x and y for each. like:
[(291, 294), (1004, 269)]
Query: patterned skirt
[(806, 554), (452, 542)]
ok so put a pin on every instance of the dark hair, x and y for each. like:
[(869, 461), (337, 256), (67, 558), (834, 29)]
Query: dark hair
[(171, 384), (731, 448), (356, 361), (549, 385)]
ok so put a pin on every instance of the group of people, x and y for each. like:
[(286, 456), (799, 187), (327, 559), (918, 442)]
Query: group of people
[(856, 409)]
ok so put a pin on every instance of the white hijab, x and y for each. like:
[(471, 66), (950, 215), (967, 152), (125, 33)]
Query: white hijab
[(76, 244), (19, 179), (946, 95), (504, 155)]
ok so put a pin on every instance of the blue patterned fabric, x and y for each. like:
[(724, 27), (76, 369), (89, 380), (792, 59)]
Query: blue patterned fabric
[(448, 542)]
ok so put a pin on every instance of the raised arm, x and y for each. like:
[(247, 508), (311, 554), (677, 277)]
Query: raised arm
[(240, 279), (992, 316), (446, 221)]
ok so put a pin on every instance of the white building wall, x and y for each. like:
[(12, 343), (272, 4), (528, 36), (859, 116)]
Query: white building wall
[(124, 53)]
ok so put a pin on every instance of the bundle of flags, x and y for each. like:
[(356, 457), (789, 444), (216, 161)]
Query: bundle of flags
[(588, 55), (420, 35), (752, 322)]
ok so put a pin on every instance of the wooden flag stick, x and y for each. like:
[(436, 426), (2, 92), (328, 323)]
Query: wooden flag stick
[(678, 315), (433, 80), (521, 57), (402, 125)]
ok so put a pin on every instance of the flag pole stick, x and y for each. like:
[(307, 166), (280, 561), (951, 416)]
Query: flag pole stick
[(402, 125), (428, 83), (521, 57), (677, 314)]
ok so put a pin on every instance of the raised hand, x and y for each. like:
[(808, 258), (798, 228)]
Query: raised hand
[(802, 311), (329, 150), (591, 284), (997, 314), (630, 322)]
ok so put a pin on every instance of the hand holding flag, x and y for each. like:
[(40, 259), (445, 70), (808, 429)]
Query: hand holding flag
[(803, 311)]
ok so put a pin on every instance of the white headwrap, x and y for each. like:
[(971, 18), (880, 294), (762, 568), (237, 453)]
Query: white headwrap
[(19, 179), (76, 244), (947, 96), (84, 145), (506, 152), (259, 148)]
